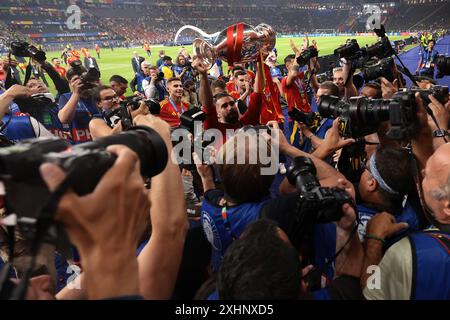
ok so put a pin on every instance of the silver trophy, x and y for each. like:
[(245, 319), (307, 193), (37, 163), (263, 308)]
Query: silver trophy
[(237, 43)]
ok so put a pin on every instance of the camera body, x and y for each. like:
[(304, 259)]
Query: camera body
[(134, 102), (311, 119), (362, 116), (89, 78), (383, 68), (307, 55), (85, 164), (443, 66), (350, 50), (439, 92), (316, 204), (24, 49)]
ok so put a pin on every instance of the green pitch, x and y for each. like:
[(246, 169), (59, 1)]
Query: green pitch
[(119, 60)]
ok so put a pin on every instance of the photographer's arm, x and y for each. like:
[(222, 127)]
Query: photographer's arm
[(67, 112), (422, 143), (350, 89), (99, 128), (61, 85), (159, 261), (14, 92)]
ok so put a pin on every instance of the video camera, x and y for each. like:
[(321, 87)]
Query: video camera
[(89, 78), (316, 204), (24, 49), (362, 116), (443, 66), (84, 164), (307, 55)]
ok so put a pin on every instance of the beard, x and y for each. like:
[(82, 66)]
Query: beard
[(232, 116)]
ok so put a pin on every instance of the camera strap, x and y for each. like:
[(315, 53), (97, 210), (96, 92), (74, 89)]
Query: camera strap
[(28, 73), (42, 223)]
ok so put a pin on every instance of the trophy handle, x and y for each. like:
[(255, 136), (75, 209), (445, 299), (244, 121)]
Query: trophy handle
[(198, 30), (205, 51)]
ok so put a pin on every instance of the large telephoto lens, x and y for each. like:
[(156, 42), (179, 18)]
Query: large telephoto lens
[(331, 106)]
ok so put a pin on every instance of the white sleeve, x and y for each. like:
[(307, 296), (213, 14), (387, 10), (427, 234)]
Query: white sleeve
[(39, 129), (395, 274), (150, 91)]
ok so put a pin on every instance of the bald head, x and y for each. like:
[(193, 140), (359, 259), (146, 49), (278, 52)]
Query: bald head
[(436, 184)]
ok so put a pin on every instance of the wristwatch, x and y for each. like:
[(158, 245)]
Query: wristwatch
[(440, 133)]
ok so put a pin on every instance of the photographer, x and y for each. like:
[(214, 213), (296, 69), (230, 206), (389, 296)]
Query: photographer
[(107, 101), (15, 125), (427, 60), (119, 84), (182, 69), (421, 259), (190, 93), (41, 104), (225, 213), (77, 108), (136, 84), (156, 89)]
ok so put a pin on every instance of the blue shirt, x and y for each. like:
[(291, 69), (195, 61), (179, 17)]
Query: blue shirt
[(79, 127)]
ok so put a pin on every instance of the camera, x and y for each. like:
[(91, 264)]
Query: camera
[(443, 66), (362, 116), (383, 68), (439, 92), (24, 49), (134, 102), (188, 121), (306, 55), (350, 50), (84, 164), (122, 114), (316, 204), (325, 76), (88, 78), (160, 76), (311, 119), (381, 49)]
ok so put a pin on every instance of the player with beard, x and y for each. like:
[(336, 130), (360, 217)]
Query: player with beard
[(221, 109)]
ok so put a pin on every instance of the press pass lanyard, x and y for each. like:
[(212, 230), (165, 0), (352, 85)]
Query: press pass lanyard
[(226, 222)]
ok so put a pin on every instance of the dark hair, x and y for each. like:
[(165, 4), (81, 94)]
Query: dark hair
[(221, 95), (425, 78), (432, 40), (329, 85), (240, 73), (377, 87), (236, 68), (167, 58), (260, 265), (218, 84), (289, 58), (395, 167), (118, 79), (96, 92), (75, 72), (53, 59)]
